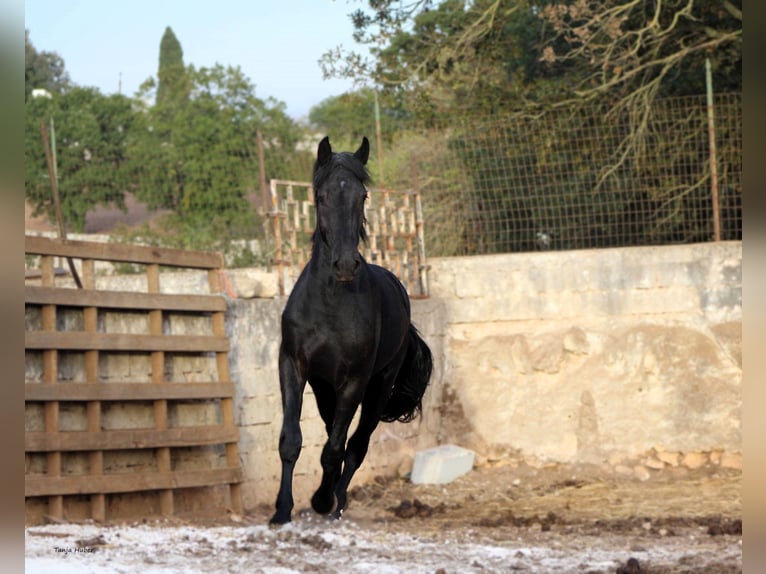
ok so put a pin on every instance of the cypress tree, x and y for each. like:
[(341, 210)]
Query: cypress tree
[(171, 69)]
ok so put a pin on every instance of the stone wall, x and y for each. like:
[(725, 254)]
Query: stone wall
[(616, 356)]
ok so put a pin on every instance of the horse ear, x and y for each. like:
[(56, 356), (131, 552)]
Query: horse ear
[(324, 152), (363, 152)]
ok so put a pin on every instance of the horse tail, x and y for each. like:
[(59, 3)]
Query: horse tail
[(406, 398)]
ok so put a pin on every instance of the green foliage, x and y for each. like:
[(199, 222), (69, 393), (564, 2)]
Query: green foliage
[(43, 70), (192, 154), (350, 115), (91, 131), (525, 95), (454, 56), (198, 158)]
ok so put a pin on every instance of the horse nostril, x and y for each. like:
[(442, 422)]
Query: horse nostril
[(346, 268)]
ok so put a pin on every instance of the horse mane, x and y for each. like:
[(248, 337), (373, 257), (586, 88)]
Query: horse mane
[(345, 160)]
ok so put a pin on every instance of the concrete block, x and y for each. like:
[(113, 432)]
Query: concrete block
[(441, 464)]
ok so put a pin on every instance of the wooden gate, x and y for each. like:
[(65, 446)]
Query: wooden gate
[(394, 228), (77, 428)]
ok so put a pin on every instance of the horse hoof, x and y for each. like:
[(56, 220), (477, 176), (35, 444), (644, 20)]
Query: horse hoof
[(322, 504), (278, 520), (337, 515)]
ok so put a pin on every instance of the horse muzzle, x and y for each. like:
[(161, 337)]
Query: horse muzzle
[(347, 267)]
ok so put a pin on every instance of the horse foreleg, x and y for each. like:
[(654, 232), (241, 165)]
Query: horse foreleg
[(332, 453), (292, 384)]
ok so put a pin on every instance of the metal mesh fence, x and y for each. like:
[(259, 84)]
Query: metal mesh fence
[(576, 179)]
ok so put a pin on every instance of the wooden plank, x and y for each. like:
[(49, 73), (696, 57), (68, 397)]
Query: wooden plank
[(126, 391), (122, 299), (39, 441), (129, 482), (122, 252), (82, 341)]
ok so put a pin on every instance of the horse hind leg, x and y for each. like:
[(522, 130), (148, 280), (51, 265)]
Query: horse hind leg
[(359, 443), (323, 499)]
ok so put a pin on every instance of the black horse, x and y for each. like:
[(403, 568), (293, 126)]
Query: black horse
[(346, 330)]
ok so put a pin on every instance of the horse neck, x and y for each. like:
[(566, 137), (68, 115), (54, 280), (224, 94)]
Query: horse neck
[(320, 263)]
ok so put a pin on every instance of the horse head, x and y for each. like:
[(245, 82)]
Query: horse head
[(339, 195)]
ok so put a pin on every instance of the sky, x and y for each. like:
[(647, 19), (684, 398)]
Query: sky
[(114, 46)]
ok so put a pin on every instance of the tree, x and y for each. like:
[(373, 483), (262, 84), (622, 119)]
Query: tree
[(553, 69), (350, 116), (171, 73), (43, 70), (451, 56), (634, 51), (200, 161), (91, 133), (490, 55)]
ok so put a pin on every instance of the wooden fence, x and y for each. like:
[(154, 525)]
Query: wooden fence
[(53, 479), (394, 228)]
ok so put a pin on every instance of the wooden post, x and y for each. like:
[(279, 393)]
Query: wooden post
[(96, 457), (713, 158), (50, 158), (227, 404), (423, 267), (379, 139), (158, 378), (262, 174), (50, 377), (277, 237)]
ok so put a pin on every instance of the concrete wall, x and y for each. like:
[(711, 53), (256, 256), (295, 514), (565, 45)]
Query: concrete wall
[(623, 357)]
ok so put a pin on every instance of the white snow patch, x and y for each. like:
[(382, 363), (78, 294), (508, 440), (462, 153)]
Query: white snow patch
[(326, 546)]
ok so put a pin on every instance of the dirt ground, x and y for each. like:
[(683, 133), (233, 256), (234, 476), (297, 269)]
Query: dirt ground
[(499, 518)]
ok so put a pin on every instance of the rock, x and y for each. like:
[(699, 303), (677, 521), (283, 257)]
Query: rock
[(670, 458), (441, 464), (654, 463), (694, 460), (631, 567), (731, 460), (253, 283), (576, 341), (548, 356), (641, 472)]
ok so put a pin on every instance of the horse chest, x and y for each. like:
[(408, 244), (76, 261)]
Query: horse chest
[(332, 341)]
